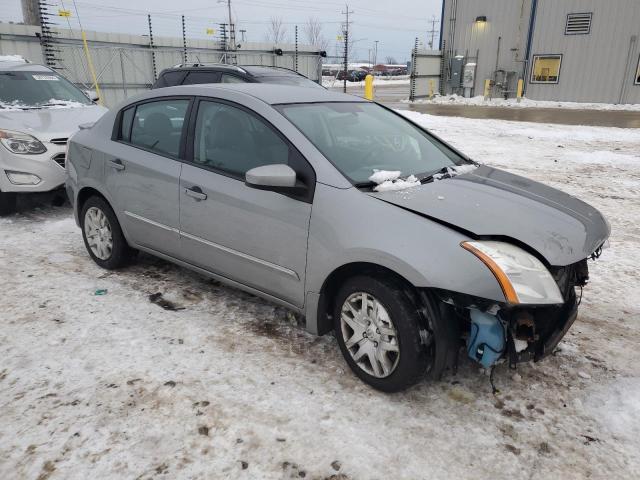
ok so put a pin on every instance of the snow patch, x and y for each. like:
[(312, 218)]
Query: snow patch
[(381, 176), (479, 101), (399, 184), (616, 406), (12, 58)]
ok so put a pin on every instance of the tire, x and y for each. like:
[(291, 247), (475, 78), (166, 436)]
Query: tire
[(404, 368), (119, 253), (7, 203)]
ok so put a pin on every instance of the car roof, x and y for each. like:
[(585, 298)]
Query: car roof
[(251, 70), (262, 71), (269, 93), (13, 66)]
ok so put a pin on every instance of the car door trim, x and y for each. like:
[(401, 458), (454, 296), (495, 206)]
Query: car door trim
[(151, 222), (251, 258), (265, 263)]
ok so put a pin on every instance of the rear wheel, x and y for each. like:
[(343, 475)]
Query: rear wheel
[(103, 236), (378, 329), (7, 203)]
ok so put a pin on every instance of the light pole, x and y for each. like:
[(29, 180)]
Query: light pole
[(375, 53)]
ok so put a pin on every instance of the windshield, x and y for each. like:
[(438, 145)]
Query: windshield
[(38, 89), (360, 138), (289, 80)]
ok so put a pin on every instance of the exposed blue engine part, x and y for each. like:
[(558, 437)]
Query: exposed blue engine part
[(487, 339)]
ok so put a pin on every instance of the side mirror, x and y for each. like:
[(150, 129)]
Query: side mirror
[(92, 95), (277, 178)]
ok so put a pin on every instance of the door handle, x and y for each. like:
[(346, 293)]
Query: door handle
[(117, 164), (196, 192)]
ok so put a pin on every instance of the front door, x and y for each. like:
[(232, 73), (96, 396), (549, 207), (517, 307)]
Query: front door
[(255, 237), (142, 172)]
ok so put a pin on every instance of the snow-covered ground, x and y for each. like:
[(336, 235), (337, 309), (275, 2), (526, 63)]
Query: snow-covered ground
[(113, 386), (524, 103), (377, 82)]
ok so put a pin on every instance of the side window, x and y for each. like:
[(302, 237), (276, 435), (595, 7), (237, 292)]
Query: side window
[(232, 79), (171, 79), (234, 141), (126, 120), (157, 126), (194, 78)]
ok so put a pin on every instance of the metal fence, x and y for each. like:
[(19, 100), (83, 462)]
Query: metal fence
[(127, 64)]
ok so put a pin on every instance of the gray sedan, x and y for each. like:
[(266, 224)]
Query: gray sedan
[(343, 211)]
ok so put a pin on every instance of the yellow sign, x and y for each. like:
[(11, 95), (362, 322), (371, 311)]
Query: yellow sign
[(64, 13), (340, 38), (211, 31)]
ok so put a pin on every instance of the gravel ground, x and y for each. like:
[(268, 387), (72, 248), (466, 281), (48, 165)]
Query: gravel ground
[(230, 386)]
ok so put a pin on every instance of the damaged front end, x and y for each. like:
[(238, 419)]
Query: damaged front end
[(517, 333)]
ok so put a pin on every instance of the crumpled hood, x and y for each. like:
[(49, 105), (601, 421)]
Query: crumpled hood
[(47, 123), (491, 202)]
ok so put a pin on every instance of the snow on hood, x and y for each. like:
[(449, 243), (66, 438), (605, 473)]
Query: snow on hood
[(12, 58), (390, 181), (51, 103), (53, 121)]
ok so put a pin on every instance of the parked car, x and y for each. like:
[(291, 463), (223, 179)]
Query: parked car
[(222, 73), (352, 75), (39, 111), (288, 193)]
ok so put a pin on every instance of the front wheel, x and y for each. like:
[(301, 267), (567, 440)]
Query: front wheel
[(378, 329), (103, 236)]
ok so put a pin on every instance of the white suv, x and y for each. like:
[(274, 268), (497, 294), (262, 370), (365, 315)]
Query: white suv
[(39, 111)]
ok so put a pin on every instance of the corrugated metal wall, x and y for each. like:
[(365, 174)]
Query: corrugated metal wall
[(508, 19), (123, 62), (597, 67)]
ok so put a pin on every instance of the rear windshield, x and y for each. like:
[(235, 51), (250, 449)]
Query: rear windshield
[(22, 89)]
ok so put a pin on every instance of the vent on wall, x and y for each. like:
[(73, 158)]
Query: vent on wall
[(578, 24)]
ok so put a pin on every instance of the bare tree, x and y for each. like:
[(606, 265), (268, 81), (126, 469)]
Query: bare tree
[(276, 31), (313, 32), (390, 60)]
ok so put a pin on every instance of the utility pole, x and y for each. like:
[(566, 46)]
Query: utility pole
[(31, 12), (232, 30), (345, 67), (433, 31), (375, 53), (153, 51)]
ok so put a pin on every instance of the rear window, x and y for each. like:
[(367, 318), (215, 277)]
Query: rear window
[(194, 78), (158, 125), (170, 79)]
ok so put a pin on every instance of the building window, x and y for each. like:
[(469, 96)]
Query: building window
[(546, 68), (578, 24)]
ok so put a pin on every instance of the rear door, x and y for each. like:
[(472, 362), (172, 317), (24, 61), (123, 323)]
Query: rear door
[(255, 237), (142, 171)]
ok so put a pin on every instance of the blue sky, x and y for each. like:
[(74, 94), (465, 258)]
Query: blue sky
[(394, 24)]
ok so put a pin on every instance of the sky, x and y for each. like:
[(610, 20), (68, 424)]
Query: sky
[(394, 24)]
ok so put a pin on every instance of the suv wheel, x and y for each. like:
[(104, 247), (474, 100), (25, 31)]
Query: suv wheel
[(7, 203), (378, 330), (103, 236)]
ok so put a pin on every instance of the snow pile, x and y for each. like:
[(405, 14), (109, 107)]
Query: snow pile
[(455, 170), (479, 101), (12, 58), (380, 176), (390, 181)]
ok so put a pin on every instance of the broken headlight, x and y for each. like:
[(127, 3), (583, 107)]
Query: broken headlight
[(17, 142), (522, 277)]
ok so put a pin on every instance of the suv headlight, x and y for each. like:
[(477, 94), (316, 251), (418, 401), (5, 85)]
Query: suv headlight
[(17, 142), (522, 277)]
